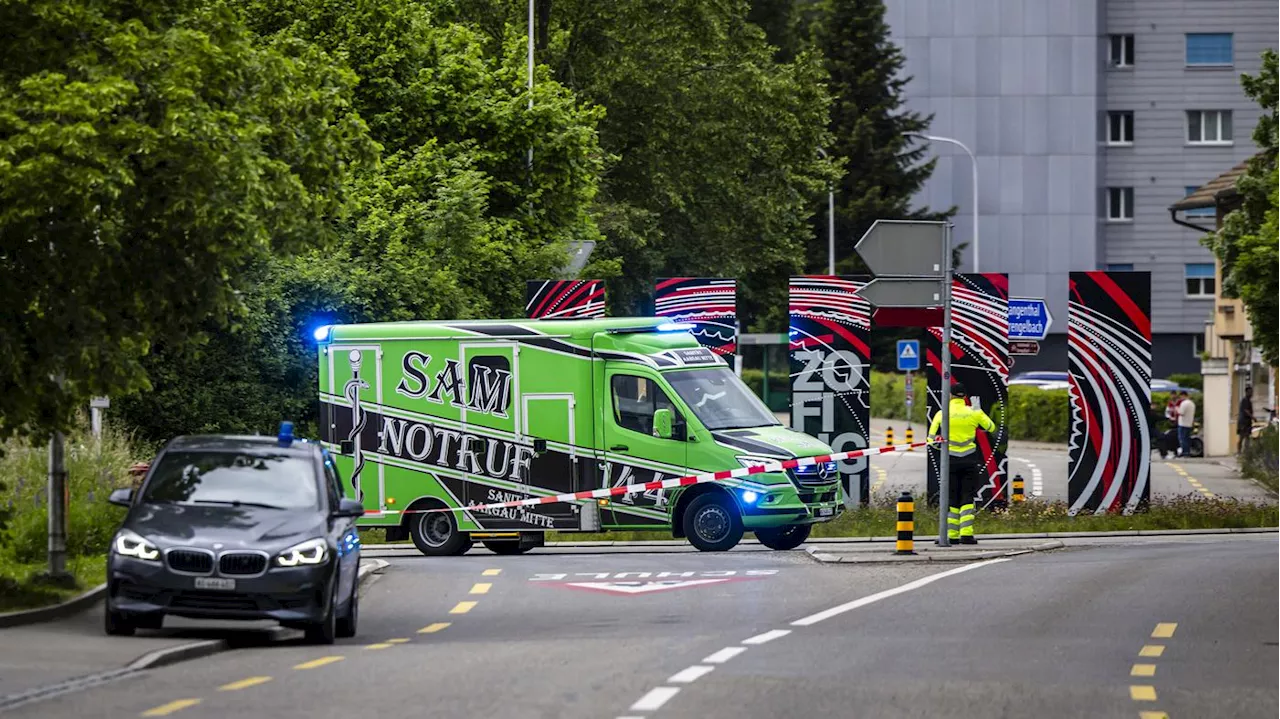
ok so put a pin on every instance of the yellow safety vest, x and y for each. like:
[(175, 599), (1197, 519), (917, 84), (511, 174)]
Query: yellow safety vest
[(965, 421)]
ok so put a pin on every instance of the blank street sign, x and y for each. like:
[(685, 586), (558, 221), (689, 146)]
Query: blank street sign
[(903, 293), (904, 248)]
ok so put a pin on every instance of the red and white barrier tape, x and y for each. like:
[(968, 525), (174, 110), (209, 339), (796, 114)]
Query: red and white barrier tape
[(607, 492)]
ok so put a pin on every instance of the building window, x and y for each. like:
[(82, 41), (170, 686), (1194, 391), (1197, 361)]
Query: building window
[(1121, 53), (1119, 204), (1199, 211), (1197, 345), (1200, 282), (1120, 128), (1209, 49), (1120, 267), (1209, 127)]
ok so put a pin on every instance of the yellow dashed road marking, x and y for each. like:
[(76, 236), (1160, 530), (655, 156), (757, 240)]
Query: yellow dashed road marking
[(1143, 670), (463, 607), (171, 707), (1152, 650), (244, 684), (1142, 693), (397, 641), (1152, 715), (1164, 630), (491, 572), (481, 588), (318, 662), (433, 628), (380, 645)]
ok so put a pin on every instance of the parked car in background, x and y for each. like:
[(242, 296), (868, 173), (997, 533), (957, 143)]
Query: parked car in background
[(1164, 385)]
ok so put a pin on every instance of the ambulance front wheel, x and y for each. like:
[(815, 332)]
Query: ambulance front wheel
[(787, 537), (436, 534), (712, 523)]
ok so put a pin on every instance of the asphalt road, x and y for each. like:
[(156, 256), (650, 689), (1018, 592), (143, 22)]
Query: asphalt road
[(725, 635)]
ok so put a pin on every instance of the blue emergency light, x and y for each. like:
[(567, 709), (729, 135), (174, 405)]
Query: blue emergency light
[(674, 327), (285, 436), (323, 333)]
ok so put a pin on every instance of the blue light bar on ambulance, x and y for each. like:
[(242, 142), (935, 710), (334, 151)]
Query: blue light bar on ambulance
[(812, 469), (323, 333), (673, 327)]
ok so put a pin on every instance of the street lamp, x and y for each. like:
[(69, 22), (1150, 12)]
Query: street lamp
[(974, 161), (831, 224)]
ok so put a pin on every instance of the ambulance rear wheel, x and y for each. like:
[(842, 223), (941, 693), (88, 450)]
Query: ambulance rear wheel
[(506, 546), (788, 537), (436, 534), (712, 523)]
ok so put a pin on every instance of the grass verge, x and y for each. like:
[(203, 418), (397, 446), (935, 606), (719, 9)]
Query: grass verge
[(22, 585)]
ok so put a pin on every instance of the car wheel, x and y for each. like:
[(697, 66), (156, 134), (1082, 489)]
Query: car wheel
[(347, 622), (506, 547), (1197, 448), (118, 624), (788, 537), (326, 630), (712, 523), (436, 534)]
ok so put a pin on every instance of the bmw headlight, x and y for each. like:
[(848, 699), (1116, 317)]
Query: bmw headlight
[(131, 544), (312, 551)]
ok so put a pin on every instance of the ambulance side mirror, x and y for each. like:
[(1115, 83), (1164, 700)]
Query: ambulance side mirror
[(663, 424)]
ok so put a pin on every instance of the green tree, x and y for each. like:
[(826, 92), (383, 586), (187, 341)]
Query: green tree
[(1247, 243), (713, 143), (448, 226), (149, 152), (883, 167)]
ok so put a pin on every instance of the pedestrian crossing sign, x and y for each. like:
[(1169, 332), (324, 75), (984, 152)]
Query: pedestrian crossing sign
[(908, 355)]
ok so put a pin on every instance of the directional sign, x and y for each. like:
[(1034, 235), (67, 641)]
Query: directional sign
[(1029, 319), (884, 292), (1024, 347), (908, 357), (897, 247)]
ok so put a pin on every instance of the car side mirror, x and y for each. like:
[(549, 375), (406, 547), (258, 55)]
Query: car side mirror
[(122, 497), (663, 424), (348, 507)]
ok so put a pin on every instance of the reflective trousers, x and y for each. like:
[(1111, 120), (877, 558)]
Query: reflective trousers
[(962, 485)]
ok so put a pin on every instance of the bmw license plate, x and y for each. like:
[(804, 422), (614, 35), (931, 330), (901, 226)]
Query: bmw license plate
[(215, 583), (826, 511)]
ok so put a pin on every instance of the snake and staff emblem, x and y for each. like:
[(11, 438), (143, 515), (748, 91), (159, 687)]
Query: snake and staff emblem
[(358, 418)]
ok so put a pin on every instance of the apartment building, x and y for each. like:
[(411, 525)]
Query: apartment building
[(1089, 119)]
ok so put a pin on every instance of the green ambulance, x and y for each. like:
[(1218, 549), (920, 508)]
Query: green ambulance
[(423, 415)]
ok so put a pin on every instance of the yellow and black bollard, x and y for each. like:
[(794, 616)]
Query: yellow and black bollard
[(911, 437), (1019, 494), (888, 436), (906, 525)]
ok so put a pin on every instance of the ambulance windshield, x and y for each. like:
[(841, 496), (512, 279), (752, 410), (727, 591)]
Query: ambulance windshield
[(720, 399)]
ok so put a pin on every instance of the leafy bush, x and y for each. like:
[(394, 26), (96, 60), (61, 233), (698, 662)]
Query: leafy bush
[(1261, 457), (1188, 379), (1038, 415), (94, 469), (888, 400)]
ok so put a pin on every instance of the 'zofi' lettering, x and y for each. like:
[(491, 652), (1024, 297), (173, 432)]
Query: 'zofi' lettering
[(444, 447), (490, 388)]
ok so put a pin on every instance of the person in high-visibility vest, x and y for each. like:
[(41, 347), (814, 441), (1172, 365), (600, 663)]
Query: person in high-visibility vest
[(965, 462)]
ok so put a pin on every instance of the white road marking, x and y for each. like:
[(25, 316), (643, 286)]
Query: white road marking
[(768, 636), (690, 674), (724, 655), (873, 598), (654, 699)]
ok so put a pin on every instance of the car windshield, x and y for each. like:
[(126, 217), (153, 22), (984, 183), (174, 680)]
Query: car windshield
[(720, 399), (263, 479)]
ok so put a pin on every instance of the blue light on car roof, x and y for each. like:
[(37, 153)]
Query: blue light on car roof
[(323, 333), (674, 327), (286, 434)]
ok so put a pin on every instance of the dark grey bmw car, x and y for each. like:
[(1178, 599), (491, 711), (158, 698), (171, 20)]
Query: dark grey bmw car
[(227, 527)]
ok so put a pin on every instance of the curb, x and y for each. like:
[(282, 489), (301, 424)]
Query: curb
[(936, 556), (369, 570), (74, 605)]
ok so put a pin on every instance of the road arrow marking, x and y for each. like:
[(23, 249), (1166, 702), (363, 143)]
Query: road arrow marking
[(643, 587)]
